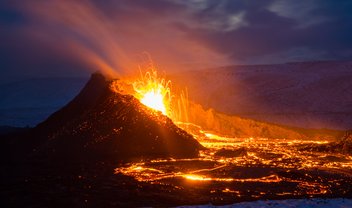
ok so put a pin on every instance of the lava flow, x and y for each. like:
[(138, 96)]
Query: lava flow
[(229, 162), (276, 167)]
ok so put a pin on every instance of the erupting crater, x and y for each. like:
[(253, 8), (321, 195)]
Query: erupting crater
[(153, 91)]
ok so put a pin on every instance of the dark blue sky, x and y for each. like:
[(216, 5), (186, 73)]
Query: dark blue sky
[(68, 38)]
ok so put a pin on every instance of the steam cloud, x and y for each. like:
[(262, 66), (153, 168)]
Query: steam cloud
[(112, 37)]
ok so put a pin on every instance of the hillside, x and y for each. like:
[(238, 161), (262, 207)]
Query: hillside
[(307, 94), (235, 126)]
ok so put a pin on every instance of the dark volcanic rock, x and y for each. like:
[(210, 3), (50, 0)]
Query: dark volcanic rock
[(240, 152), (103, 124)]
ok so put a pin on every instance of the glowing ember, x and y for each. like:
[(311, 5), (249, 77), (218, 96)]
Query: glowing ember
[(153, 91)]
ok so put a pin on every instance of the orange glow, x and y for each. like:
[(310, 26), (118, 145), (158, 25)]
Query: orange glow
[(154, 99), (153, 91), (194, 177)]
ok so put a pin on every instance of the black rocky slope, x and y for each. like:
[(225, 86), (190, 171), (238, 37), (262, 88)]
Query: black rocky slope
[(101, 123)]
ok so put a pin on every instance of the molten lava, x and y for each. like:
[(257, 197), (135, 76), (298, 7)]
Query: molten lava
[(154, 99), (153, 91)]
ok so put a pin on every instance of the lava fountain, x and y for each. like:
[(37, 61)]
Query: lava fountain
[(153, 91), (156, 92)]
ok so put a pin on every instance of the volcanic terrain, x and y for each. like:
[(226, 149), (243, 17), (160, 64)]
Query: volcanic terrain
[(104, 148)]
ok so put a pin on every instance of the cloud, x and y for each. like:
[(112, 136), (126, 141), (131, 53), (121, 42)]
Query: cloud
[(303, 12), (276, 28), (218, 17)]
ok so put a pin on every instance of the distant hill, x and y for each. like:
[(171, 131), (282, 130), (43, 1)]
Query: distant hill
[(308, 94), (235, 126)]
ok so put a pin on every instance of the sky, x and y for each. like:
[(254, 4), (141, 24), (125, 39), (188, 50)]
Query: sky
[(73, 38)]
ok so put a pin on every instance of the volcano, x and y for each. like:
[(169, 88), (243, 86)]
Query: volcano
[(106, 149), (102, 123)]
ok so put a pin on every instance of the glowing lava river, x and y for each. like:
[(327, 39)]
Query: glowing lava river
[(239, 169), (248, 168)]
